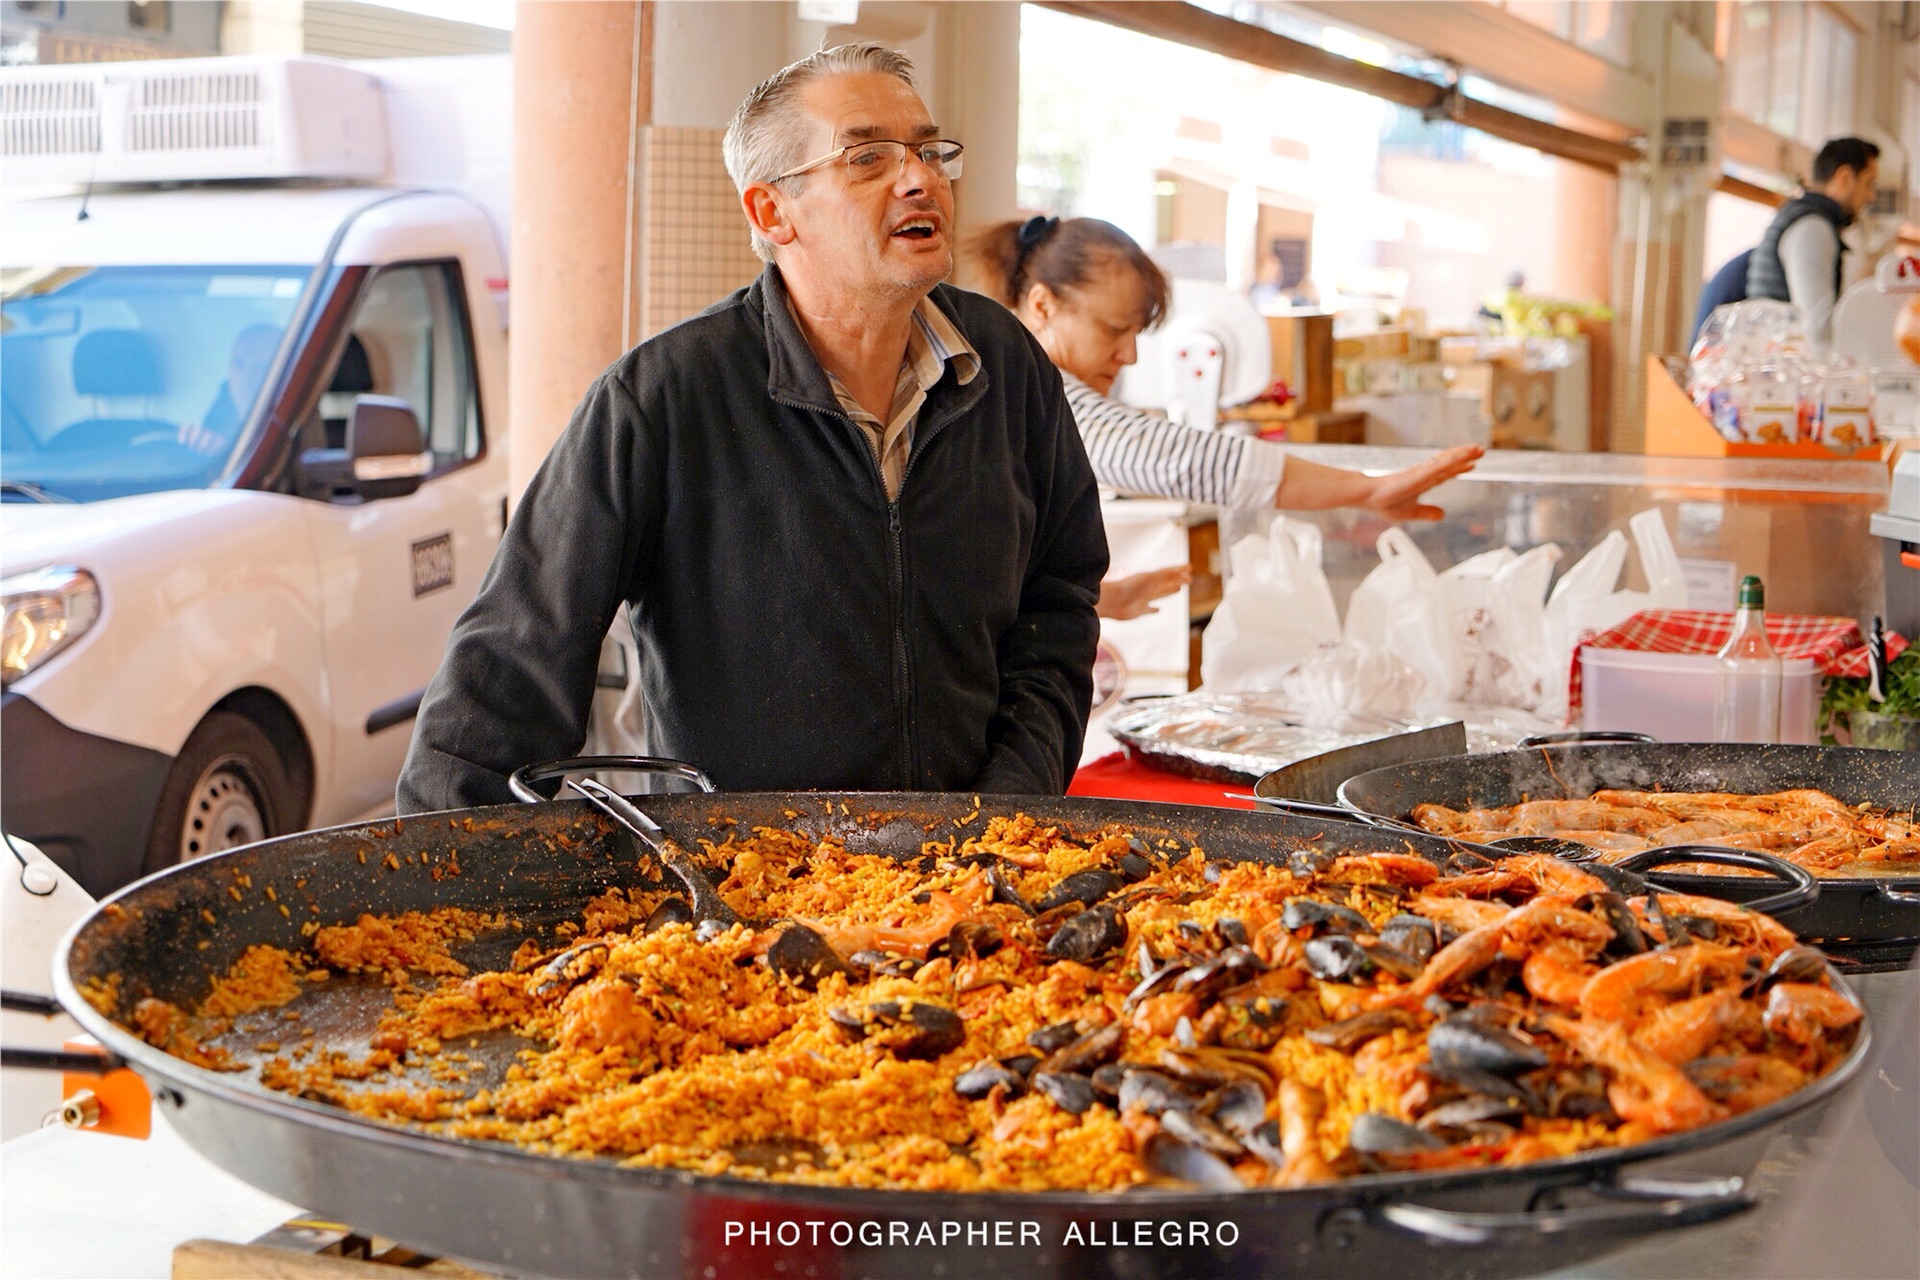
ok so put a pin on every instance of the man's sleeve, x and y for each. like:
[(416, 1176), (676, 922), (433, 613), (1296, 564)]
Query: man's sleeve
[(1046, 656), (518, 676), (1808, 250)]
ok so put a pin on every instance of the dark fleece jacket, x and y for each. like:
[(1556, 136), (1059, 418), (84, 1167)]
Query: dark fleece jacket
[(796, 629)]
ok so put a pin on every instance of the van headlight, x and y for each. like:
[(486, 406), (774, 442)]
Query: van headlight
[(47, 610)]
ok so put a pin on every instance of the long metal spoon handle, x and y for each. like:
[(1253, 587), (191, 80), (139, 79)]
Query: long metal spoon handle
[(707, 902)]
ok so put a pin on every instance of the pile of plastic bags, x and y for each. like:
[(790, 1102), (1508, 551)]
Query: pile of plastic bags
[(1417, 641)]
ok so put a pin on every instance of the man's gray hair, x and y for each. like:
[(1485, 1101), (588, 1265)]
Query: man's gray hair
[(764, 137)]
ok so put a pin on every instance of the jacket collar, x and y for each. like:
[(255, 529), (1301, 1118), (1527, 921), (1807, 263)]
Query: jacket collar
[(794, 373), (1827, 207)]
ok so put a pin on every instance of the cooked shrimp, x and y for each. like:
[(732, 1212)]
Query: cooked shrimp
[(1620, 991), (1681, 1032), (1557, 972), (1300, 1108), (1644, 1088), (1734, 922), (1800, 1011), (1547, 916)]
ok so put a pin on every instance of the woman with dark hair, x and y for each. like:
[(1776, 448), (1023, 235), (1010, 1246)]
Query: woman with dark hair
[(1086, 289)]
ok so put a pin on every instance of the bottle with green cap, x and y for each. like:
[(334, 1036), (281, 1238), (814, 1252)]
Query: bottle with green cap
[(1746, 704)]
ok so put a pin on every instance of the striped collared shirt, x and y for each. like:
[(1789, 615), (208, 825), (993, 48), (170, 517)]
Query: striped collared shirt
[(932, 341)]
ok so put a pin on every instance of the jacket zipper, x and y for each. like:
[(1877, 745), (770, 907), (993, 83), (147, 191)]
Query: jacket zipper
[(896, 575)]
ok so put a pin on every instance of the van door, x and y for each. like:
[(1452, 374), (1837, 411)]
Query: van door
[(397, 572)]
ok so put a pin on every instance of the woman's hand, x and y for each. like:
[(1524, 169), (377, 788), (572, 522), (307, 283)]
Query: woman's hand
[(1397, 495), (1129, 597)]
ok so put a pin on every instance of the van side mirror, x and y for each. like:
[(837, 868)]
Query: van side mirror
[(386, 447)]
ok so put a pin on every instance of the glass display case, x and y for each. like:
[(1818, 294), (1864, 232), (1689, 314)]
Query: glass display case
[(1801, 525)]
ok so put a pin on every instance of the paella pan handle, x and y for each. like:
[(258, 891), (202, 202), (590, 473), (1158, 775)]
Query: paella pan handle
[(1804, 891), (1575, 737), (521, 780), (1656, 1206)]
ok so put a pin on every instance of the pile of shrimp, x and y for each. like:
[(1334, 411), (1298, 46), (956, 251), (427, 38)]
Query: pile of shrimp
[(1819, 832)]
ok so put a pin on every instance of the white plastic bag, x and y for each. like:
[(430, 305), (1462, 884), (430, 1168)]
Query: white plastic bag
[(1519, 672), (1398, 608), (1585, 603), (1277, 610), (1352, 678)]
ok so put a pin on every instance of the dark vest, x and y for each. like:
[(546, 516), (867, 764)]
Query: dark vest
[(1766, 278)]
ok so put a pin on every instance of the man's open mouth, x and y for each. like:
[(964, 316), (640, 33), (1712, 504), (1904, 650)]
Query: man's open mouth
[(918, 229)]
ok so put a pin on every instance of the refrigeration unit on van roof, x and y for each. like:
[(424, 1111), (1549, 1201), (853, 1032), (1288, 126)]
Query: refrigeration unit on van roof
[(190, 120)]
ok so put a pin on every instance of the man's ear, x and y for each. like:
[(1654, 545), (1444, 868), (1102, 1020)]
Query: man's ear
[(766, 210)]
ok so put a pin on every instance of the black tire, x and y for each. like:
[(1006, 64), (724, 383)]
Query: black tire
[(227, 787)]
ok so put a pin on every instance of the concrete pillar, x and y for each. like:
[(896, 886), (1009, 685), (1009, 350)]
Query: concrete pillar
[(976, 99), (582, 91)]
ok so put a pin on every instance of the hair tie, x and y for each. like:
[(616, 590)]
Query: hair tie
[(1034, 230)]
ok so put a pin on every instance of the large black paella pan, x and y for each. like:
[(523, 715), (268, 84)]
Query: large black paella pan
[(526, 1213)]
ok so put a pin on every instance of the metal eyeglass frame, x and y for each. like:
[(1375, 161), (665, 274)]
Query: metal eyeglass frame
[(947, 165)]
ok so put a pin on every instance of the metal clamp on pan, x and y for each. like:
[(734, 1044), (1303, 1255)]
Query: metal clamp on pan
[(521, 780), (1804, 889)]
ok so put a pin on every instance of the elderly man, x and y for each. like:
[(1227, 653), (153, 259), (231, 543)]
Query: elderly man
[(847, 506)]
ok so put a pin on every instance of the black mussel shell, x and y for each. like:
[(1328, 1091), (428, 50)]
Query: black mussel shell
[(1239, 1108), (1336, 958), (974, 940), (1300, 913), (804, 956), (1378, 1135), (1197, 1130), (1069, 1092), (1230, 968), (1169, 1157), (1056, 1037), (670, 911), (1088, 934), (1350, 1033), (978, 1082), (1091, 1050), (1085, 887), (1144, 1089), (1463, 1042)]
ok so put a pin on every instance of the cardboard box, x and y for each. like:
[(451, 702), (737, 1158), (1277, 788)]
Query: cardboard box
[(1381, 344), (1520, 407), (1302, 350)]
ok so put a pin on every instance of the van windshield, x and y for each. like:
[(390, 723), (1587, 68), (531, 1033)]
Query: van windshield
[(133, 379)]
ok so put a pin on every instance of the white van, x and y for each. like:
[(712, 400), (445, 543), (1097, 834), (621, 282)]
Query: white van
[(253, 455)]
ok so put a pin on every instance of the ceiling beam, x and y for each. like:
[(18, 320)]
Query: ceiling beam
[(1190, 25)]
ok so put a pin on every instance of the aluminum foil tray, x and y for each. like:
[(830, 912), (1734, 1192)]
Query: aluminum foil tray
[(1241, 737)]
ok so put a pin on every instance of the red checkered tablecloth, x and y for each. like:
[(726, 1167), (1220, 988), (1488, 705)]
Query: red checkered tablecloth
[(1833, 643)]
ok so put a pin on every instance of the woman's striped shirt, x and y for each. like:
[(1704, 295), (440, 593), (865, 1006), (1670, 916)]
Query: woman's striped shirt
[(1138, 452)]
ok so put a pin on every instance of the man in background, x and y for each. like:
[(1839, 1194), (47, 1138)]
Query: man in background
[(1799, 258)]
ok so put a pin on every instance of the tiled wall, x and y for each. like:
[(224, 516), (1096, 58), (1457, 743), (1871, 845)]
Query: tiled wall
[(695, 234)]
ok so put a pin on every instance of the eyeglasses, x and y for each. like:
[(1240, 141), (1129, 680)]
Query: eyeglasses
[(882, 158)]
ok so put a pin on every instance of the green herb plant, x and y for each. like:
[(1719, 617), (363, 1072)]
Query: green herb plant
[(1845, 694)]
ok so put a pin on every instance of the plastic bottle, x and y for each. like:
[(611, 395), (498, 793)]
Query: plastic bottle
[(1746, 705)]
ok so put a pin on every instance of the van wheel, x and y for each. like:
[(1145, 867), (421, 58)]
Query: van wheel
[(228, 787)]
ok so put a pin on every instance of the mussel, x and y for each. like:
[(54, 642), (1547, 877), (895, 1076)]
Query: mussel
[(1350, 1033), (1088, 934), (558, 973), (1169, 1157), (1144, 1089), (1336, 958), (1069, 1091), (974, 940), (978, 1082), (1416, 937), (1085, 887), (803, 956), (916, 1029), (1052, 1039), (1239, 1108), (1464, 1042), (1627, 939), (1795, 964), (670, 911), (1299, 913), (1198, 1130), (883, 964), (1376, 1134), (1087, 1052), (1230, 968), (1003, 890)]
